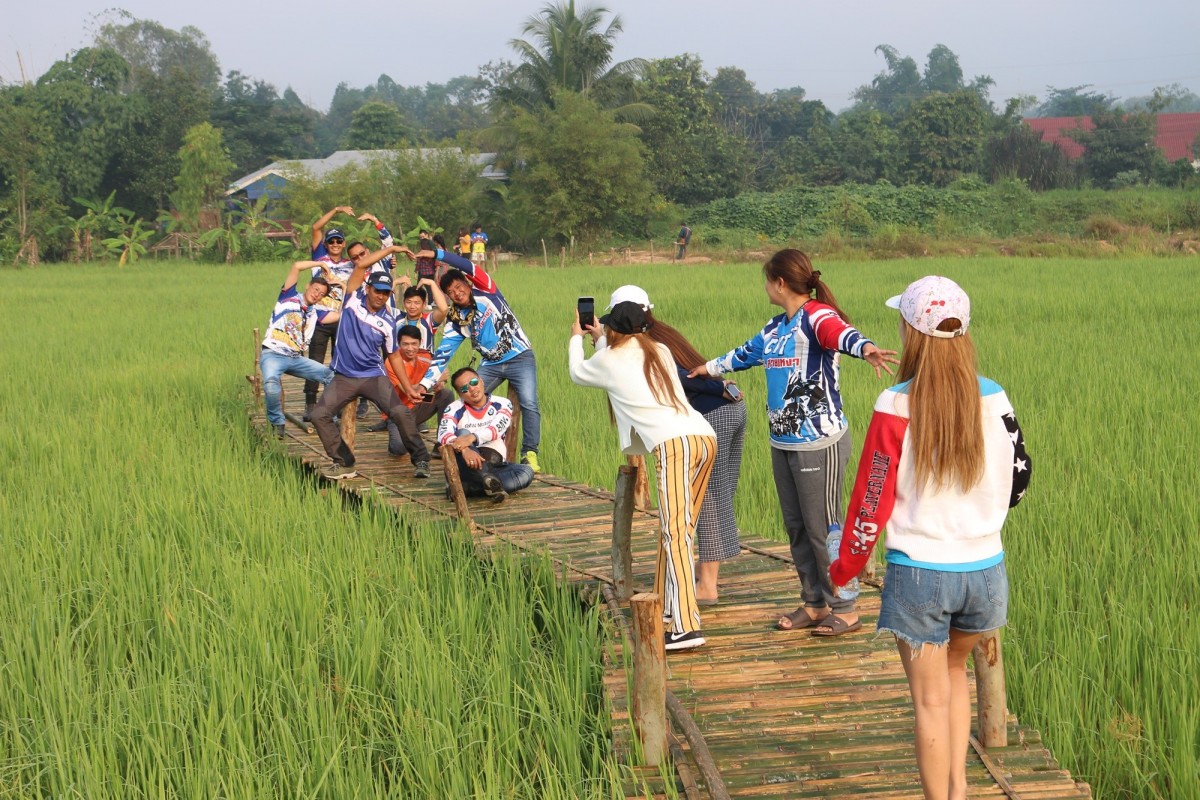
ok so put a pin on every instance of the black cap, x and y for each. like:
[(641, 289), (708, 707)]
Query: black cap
[(626, 317)]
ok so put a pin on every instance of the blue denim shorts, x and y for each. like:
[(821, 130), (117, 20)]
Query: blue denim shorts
[(920, 606)]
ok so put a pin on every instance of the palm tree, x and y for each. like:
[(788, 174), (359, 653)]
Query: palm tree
[(573, 52)]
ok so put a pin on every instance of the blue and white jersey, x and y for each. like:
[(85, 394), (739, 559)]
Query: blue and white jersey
[(339, 270), (362, 338), (423, 323), (292, 323), (800, 355), (490, 323), (487, 424)]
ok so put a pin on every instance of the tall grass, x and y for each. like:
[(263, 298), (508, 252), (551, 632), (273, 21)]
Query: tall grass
[(184, 614)]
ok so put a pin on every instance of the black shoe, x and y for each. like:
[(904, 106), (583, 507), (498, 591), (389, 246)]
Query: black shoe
[(421, 469), (308, 411), (378, 426), (362, 408), (280, 431), (494, 489), (683, 641)]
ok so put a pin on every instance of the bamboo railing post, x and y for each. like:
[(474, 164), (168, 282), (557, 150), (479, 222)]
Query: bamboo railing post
[(256, 381), (512, 439), (454, 483), (347, 424), (989, 691), (622, 556), (641, 491), (649, 676)]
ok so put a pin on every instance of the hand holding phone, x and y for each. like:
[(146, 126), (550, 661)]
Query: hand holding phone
[(731, 389), (586, 306)]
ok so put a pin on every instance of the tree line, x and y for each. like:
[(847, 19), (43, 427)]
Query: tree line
[(142, 126)]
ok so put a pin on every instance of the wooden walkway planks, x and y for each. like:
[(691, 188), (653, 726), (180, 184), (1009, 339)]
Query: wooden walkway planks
[(783, 714)]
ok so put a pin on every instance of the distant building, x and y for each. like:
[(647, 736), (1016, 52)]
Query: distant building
[(1176, 133), (271, 179)]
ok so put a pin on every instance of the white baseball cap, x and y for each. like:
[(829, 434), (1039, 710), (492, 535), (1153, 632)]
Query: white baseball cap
[(630, 294), (928, 302)]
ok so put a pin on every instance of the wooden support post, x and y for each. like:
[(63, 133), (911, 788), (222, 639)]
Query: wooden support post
[(989, 691), (256, 381), (512, 439), (622, 556), (651, 251), (348, 423), (641, 491), (562, 258), (649, 676), (450, 465)]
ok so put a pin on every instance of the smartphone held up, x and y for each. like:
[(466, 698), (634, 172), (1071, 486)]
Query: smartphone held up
[(586, 306)]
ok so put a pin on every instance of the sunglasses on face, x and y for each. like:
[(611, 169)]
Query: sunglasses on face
[(466, 387), (335, 240)]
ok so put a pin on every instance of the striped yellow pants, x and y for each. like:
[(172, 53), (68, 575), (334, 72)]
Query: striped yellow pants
[(683, 465)]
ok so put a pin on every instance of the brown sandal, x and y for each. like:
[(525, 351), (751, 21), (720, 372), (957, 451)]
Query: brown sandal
[(837, 626), (798, 620)]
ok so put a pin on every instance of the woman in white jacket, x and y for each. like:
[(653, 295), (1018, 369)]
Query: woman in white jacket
[(652, 414)]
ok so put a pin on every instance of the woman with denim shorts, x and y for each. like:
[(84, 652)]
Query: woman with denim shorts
[(943, 461)]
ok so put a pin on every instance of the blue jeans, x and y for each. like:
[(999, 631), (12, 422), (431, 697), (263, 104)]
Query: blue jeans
[(521, 374), (273, 365), (513, 477)]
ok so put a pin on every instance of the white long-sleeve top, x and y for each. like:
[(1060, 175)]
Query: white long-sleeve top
[(643, 423)]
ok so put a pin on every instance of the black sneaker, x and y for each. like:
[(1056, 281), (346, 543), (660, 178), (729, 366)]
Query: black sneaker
[(684, 641), (280, 431), (378, 426), (362, 409), (308, 411), (493, 488), (421, 469)]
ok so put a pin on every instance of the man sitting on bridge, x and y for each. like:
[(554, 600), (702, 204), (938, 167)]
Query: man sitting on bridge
[(474, 426)]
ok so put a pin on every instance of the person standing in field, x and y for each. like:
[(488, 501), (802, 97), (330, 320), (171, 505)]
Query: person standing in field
[(331, 250), (682, 241), (368, 329), (416, 360), (464, 243), (479, 312), (474, 426), (943, 461), (283, 349), (652, 415), (479, 241), (810, 436), (716, 527)]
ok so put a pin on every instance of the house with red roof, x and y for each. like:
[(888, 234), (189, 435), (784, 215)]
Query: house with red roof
[(1176, 134)]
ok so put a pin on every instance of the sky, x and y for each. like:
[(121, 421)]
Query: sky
[(1121, 48)]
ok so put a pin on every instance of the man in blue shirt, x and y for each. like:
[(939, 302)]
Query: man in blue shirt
[(367, 329)]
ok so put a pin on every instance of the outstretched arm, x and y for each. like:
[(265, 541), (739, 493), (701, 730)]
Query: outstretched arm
[(318, 227), (294, 274), (440, 307)]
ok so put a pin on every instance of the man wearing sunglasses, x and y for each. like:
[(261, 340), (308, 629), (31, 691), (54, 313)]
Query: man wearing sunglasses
[(367, 330), (329, 249), (474, 426)]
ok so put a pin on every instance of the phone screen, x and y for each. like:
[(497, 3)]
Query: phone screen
[(733, 391), (587, 311)]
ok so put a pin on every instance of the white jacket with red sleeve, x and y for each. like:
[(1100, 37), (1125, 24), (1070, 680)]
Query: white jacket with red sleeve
[(944, 528)]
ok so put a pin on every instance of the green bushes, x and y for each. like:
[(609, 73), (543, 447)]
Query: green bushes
[(966, 208)]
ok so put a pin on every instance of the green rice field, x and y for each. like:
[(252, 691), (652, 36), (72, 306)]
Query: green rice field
[(185, 614)]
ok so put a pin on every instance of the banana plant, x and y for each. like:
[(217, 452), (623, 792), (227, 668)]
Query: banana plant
[(129, 242)]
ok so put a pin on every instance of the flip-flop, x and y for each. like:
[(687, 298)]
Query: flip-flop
[(837, 626), (799, 619)]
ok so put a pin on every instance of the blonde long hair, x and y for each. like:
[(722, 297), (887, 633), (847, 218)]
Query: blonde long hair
[(945, 410), (654, 367)]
